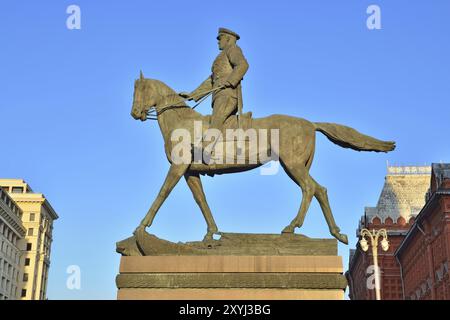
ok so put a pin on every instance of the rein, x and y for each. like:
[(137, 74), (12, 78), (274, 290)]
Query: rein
[(153, 114)]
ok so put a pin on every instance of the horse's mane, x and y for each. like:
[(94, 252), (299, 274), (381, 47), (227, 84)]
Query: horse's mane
[(163, 90)]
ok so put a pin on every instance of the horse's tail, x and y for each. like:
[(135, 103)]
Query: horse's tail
[(347, 137)]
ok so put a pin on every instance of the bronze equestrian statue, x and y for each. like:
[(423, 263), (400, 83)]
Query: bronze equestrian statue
[(295, 148)]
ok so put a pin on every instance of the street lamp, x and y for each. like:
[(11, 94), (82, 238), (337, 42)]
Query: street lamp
[(373, 236)]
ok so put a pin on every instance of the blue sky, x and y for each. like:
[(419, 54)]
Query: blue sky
[(65, 98)]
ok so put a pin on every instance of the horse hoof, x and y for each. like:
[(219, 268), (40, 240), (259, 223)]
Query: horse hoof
[(138, 229), (208, 237), (288, 229), (341, 237)]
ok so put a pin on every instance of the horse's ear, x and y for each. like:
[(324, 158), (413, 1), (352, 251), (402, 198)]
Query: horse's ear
[(141, 76)]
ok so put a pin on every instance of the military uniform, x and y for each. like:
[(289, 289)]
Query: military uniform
[(230, 67)]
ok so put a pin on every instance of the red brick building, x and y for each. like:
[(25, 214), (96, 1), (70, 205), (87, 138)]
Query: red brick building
[(424, 254), (401, 199), (359, 275)]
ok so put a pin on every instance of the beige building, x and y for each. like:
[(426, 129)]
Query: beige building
[(12, 234), (37, 218), (403, 194)]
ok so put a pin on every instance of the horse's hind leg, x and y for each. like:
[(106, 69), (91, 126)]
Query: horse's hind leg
[(299, 174), (322, 196), (195, 184)]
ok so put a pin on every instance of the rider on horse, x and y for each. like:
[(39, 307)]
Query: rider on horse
[(228, 70)]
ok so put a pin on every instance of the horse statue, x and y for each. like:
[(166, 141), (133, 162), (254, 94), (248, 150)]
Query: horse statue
[(295, 152)]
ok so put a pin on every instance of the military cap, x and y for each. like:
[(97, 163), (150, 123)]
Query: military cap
[(228, 31)]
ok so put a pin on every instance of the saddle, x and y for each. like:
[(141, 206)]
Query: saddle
[(243, 121), (234, 122)]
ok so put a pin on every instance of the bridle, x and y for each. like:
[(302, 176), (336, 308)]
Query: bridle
[(153, 113)]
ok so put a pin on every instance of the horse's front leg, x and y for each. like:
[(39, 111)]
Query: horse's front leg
[(172, 178)]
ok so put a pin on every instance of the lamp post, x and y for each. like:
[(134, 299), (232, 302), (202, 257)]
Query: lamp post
[(374, 236)]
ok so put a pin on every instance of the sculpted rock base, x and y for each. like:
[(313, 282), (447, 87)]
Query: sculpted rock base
[(145, 244)]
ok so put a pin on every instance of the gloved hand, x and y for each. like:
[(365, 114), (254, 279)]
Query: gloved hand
[(224, 85)]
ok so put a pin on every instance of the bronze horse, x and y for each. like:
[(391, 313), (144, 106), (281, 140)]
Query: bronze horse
[(295, 152)]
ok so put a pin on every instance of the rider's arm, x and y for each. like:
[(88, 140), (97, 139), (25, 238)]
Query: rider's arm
[(239, 63), (202, 89)]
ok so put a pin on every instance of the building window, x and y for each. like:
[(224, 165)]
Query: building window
[(25, 277), (30, 231), (27, 261), (24, 293), (17, 190), (29, 246), (32, 216)]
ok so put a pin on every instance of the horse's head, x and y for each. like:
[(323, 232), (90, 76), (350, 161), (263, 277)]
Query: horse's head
[(152, 97), (143, 98)]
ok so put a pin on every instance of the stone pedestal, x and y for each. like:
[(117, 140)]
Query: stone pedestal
[(238, 266)]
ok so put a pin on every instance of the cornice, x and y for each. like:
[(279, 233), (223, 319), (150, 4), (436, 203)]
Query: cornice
[(12, 220), (35, 198)]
